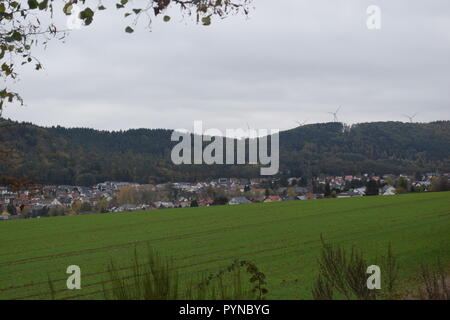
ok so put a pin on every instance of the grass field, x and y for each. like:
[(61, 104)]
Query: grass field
[(283, 239)]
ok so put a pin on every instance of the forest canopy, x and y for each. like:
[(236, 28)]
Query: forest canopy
[(81, 156)]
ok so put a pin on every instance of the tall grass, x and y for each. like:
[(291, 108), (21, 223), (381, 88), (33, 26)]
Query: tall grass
[(237, 289), (342, 275), (158, 279), (155, 279), (436, 283), (230, 287)]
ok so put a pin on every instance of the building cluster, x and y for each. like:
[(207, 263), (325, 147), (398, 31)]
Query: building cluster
[(41, 201)]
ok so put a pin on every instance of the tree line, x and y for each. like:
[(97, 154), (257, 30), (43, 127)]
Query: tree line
[(81, 156)]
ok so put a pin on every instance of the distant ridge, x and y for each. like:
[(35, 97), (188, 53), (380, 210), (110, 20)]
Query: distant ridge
[(57, 155)]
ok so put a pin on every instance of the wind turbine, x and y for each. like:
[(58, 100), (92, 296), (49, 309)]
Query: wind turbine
[(411, 118), (335, 118), (301, 124), (249, 132)]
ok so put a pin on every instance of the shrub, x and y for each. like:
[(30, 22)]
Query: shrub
[(345, 274), (435, 283), (440, 184), (158, 279), (154, 280), (220, 200)]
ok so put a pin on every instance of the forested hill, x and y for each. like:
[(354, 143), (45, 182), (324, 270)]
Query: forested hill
[(80, 156)]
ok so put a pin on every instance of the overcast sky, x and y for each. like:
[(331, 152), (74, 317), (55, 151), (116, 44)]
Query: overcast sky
[(290, 60)]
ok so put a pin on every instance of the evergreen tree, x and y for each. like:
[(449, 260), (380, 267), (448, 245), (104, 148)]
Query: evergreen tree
[(327, 190), (372, 188), (194, 203), (11, 208)]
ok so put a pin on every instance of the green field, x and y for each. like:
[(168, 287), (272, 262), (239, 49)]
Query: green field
[(283, 239)]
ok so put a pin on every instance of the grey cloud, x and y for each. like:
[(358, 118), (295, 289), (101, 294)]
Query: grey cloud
[(292, 60)]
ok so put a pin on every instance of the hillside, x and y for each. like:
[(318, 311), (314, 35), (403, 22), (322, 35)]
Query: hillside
[(283, 239), (57, 155)]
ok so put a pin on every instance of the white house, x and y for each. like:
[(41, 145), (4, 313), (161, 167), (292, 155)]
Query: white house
[(387, 191), (239, 200)]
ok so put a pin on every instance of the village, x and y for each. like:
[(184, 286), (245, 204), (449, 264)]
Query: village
[(111, 197)]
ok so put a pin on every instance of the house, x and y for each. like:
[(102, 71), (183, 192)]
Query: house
[(258, 199), (349, 194), (361, 191), (4, 216), (205, 203), (55, 203), (301, 190), (343, 195), (425, 184), (357, 193), (387, 190), (127, 207), (65, 201), (184, 204), (164, 204), (239, 200), (272, 199)]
